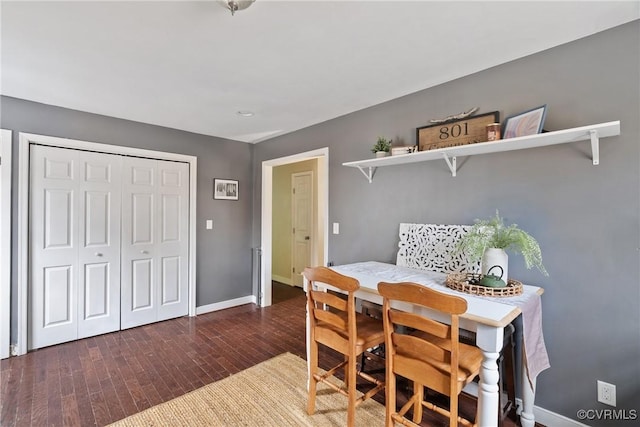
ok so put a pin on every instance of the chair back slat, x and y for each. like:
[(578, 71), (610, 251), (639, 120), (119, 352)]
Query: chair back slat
[(329, 299), (420, 323), (328, 276), (419, 349), (426, 297), (331, 319)]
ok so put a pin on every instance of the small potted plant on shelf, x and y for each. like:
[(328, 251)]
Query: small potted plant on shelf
[(382, 147), (487, 241)]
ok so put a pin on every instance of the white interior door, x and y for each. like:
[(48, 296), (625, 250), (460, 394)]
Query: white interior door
[(99, 246), (75, 250), (155, 209), (54, 246), (139, 256), (173, 240), (302, 221)]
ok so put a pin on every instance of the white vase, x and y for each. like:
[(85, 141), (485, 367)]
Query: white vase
[(493, 257), (382, 154)]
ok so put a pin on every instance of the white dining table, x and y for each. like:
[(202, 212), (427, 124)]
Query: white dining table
[(487, 317)]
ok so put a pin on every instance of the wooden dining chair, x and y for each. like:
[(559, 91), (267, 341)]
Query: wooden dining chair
[(425, 351), (335, 323)]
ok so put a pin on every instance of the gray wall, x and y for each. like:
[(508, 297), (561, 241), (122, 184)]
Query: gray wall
[(585, 217), (224, 253)]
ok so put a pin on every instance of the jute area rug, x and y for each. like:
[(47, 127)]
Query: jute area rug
[(272, 393)]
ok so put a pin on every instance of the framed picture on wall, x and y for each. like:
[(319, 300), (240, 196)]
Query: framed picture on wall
[(225, 189), (527, 123)]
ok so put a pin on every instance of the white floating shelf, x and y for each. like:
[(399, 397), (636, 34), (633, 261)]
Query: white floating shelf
[(449, 154)]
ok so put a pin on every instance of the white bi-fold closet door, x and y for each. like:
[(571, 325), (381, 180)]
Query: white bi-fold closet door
[(109, 245), (155, 226)]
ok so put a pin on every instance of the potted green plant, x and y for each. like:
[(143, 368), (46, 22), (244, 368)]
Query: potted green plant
[(488, 239), (382, 147)]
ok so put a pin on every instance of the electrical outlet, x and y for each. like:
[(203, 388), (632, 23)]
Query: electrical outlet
[(606, 393)]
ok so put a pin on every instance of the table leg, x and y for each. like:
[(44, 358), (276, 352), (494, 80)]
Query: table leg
[(488, 397), (527, 393), (528, 397), (489, 340)]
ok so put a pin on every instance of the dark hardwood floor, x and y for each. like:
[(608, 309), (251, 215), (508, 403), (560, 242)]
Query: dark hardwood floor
[(283, 292), (99, 380)]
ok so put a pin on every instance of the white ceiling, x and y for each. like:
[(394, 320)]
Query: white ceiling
[(190, 65)]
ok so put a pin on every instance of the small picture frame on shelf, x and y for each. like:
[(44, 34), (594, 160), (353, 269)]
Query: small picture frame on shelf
[(225, 189), (527, 123)]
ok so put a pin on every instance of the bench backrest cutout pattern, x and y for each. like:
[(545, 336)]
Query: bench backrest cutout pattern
[(433, 247)]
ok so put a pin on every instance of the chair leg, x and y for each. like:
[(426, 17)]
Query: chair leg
[(418, 392), (390, 396), (313, 383), (351, 387), (453, 410)]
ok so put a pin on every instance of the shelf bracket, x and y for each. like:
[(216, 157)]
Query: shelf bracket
[(595, 147), (451, 162), (369, 173)]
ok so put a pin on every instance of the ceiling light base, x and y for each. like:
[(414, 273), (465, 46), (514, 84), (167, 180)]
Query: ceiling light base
[(236, 5)]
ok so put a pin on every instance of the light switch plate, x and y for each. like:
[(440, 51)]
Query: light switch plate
[(336, 228), (209, 224)]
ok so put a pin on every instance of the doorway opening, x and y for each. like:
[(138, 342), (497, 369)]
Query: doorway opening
[(318, 235)]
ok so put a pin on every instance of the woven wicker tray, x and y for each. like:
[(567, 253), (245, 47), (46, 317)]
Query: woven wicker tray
[(468, 283)]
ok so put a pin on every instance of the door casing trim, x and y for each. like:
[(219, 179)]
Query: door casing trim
[(322, 154), (5, 245)]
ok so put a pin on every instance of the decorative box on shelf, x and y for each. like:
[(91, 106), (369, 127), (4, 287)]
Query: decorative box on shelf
[(470, 130), (405, 149)]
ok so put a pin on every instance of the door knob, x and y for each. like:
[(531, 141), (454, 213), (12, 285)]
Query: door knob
[(98, 254), (306, 237)]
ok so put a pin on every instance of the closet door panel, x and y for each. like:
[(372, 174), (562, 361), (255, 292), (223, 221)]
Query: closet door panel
[(96, 291), (173, 241), (99, 251), (58, 297), (155, 241), (139, 254), (53, 284), (142, 285)]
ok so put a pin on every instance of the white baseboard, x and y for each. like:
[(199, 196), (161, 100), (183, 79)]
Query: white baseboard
[(541, 415), (250, 299), (550, 419), (282, 279)]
